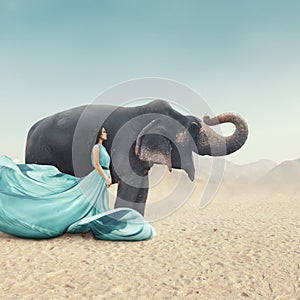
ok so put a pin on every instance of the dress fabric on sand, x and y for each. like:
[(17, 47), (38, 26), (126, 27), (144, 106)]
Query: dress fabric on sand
[(39, 201)]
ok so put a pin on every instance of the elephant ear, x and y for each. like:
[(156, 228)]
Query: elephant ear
[(152, 145)]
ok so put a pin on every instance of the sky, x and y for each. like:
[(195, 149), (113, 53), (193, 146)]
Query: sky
[(239, 56)]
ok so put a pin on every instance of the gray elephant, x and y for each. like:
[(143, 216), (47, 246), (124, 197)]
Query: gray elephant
[(138, 137)]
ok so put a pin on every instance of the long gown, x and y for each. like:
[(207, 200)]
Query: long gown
[(39, 201)]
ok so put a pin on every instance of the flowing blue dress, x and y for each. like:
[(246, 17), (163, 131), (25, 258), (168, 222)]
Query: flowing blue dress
[(39, 201)]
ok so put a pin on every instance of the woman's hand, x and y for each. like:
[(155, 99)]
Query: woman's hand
[(108, 181)]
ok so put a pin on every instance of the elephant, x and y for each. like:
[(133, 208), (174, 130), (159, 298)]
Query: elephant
[(138, 138)]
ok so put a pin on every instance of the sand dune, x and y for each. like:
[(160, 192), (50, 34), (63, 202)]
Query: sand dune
[(243, 245)]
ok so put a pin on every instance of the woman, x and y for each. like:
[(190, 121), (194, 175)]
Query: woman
[(102, 135), (38, 201)]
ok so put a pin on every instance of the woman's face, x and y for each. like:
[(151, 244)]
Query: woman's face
[(104, 134)]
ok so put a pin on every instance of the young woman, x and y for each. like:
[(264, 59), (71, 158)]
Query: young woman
[(39, 201), (102, 136)]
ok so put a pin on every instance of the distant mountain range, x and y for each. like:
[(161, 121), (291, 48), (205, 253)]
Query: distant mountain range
[(250, 172), (261, 172), (286, 173)]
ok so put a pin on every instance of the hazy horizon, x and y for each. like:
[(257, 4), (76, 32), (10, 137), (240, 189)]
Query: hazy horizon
[(240, 57)]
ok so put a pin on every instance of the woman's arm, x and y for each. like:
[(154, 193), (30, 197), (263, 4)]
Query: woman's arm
[(98, 167)]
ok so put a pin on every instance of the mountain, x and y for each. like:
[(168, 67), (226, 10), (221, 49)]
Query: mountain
[(250, 172), (286, 173)]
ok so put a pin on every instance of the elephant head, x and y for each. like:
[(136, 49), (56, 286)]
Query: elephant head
[(164, 141)]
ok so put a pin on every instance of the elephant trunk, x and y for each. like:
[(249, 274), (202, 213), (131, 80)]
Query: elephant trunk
[(211, 143)]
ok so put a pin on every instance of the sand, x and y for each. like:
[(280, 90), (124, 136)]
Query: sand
[(244, 245)]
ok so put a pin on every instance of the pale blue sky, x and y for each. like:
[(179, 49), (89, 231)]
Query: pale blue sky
[(240, 56)]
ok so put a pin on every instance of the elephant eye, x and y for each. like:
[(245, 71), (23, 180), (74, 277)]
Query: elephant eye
[(194, 126)]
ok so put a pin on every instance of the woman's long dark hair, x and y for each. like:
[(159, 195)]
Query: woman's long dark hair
[(99, 134)]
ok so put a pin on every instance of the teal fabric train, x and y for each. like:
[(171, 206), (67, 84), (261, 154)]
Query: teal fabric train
[(39, 201)]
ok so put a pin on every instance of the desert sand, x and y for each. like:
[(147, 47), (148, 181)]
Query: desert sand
[(245, 244)]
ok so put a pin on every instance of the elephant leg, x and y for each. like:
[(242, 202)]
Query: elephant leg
[(133, 196), (143, 194)]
